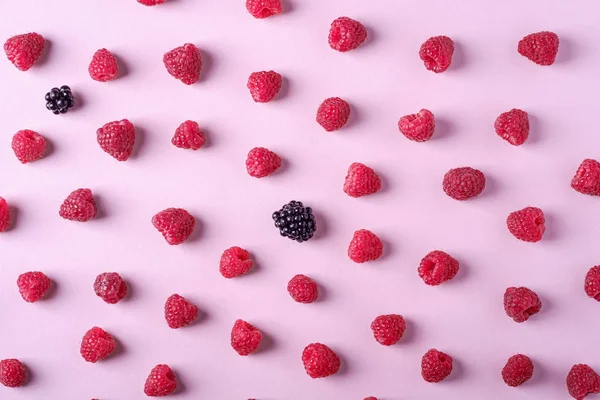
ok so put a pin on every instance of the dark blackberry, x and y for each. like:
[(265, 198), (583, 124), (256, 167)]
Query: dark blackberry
[(295, 221), (59, 100)]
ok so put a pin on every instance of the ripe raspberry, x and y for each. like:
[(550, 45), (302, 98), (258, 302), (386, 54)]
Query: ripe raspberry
[(189, 136), (24, 50), (264, 8), (110, 287), (235, 261), (28, 146), (12, 373), (97, 344), (320, 361), (262, 162), (436, 53), (303, 289), (437, 267), (264, 85), (365, 246), (418, 127), (184, 63), (175, 224), (79, 206), (179, 312), (371, 398), (245, 338), (4, 215), (160, 382), (346, 34), (592, 282), (513, 126), (117, 139), (361, 181), (33, 286), (388, 329), (582, 380), (520, 303), (103, 67), (151, 2), (463, 183), (527, 224), (540, 47), (435, 366), (587, 178), (333, 114), (518, 370)]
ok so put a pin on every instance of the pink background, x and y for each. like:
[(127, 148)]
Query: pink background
[(383, 80)]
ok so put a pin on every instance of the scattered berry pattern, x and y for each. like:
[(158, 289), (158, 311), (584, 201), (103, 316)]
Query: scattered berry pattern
[(28, 146), (12, 373), (184, 63), (175, 224), (435, 366), (235, 261), (33, 286), (103, 67), (518, 370), (361, 181), (540, 47), (418, 127), (463, 183), (592, 283), (388, 329), (520, 303), (117, 139), (79, 206), (96, 345), (245, 338), (189, 136), (262, 162), (303, 289), (527, 224), (295, 221), (110, 287), (179, 312), (160, 382), (264, 85), (437, 267), (346, 34), (333, 114), (513, 126), (437, 53), (320, 361), (365, 246), (582, 380), (264, 8), (24, 50), (587, 178)]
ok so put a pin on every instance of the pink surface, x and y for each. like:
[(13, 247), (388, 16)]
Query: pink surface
[(383, 80)]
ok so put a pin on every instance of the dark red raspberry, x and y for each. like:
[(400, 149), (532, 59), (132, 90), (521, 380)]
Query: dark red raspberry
[(175, 224), (245, 338), (264, 8), (179, 312), (184, 63), (28, 146), (12, 373), (513, 126), (24, 50), (110, 287), (333, 114), (262, 162), (103, 67), (264, 85), (4, 215), (388, 329), (582, 380), (346, 34), (160, 382), (151, 2), (235, 261), (97, 344), (540, 47), (33, 286), (518, 370), (418, 127), (520, 303), (303, 289), (365, 246), (436, 366), (527, 224), (437, 267), (437, 53), (587, 178), (320, 361), (592, 282), (370, 398), (189, 136), (117, 139), (463, 183), (79, 206), (361, 181)]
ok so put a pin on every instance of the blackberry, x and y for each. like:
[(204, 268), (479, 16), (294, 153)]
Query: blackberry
[(59, 100), (295, 221)]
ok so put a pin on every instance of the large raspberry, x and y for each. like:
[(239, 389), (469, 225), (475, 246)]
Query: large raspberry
[(245, 338), (320, 361), (463, 183), (175, 224), (520, 303), (33, 286), (160, 382), (179, 312), (527, 224), (518, 370), (437, 53), (303, 289), (97, 344), (24, 50), (117, 139), (388, 329), (418, 127), (264, 8), (184, 63), (513, 126), (28, 146), (346, 34), (437, 267), (333, 114), (361, 181), (592, 282), (4, 215), (151, 2), (235, 261), (12, 373), (435, 366), (365, 246), (582, 380), (79, 206), (189, 136), (110, 287), (262, 162), (264, 85), (587, 178), (540, 47), (103, 67)]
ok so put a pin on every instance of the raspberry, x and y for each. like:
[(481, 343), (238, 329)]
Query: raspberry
[(388, 329), (12, 373), (418, 127), (361, 181), (4, 215), (110, 287), (184, 63), (520, 303), (513, 126), (592, 282), (97, 344), (264, 85), (264, 8), (370, 398), (587, 178), (103, 66), (175, 224), (24, 50), (235, 261), (245, 338), (436, 53), (151, 2), (527, 224), (160, 382), (320, 361), (303, 289), (540, 47), (179, 312), (295, 221), (463, 183), (582, 380), (117, 139), (346, 34), (333, 114), (28, 146), (79, 206), (189, 136), (437, 267), (365, 246), (518, 370), (33, 286), (435, 366), (262, 162)]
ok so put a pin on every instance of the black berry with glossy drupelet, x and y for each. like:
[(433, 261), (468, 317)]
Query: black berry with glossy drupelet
[(295, 221), (59, 101)]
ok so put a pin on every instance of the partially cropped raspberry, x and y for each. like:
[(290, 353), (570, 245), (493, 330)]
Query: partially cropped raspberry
[(151, 2), (333, 114), (189, 136), (103, 67), (110, 287), (303, 289), (592, 282), (346, 34), (370, 398), (175, 224), (117, 139), (520, 303), (28, 146), (245, 338), (582, 380), (587, 178), (527, 224), (79, 206), (513, 126), (264, 85), (160, 382), (33, 286), (418, 127), (179, 312), (518, 370), (264, 8), (320, 361), (184, 63), (437, 267), (463, 183), (4, 215), (435, 366), (12, 373), (365, 246), (361, 181), (437, 53), (388, 329), (540, 47), (262, 162), (97, 344), (24, 50), (235, 261)]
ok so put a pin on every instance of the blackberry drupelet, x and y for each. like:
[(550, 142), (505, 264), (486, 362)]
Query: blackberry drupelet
[(59, 100), (295, 221)]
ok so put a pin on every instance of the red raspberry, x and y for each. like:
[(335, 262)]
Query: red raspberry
[(33, 286), (28, 146), (320, 361), (418, 127), (437, 267), (262, 162), (245, 338), (361, 181), (388, 329), (264, 85), (437, 53), (110, 287), (582, 380), (370, 398), (151, 2), (518, 370), (264, 8), (303, 289), (235, 261), (179, 312), (160, 382), (587, 178), (527, 224), (24, 50), (520, 303), (184, 63), (346, 34), (513, 126), (463, 183), (97, 344), (117, 139), (435, 366), (189, 136), (540, 47), (12, 373), (175, 224), (592, 282), (365, 246), (79, 206), (4, 215), (103, 66), (333, 114)]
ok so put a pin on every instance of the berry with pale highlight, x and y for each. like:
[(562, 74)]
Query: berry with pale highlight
[(520, 303), (435, 366), (418, 127), (365, 246), (436, 53), (189, 136), (513, 126), (262, 162), (79, 206), (28, 146), (388, 329), (245, 338), (103, 67), (361, 181), (12, 373), (184, 63), (518, 370), (24, 50), (264, 85), (235, 261), (96, 345), (333, 114), (175, 224), (303, 289), (582, 380), (264, 8), (463, 183), (160, 382), (587, 178), (179, 312), (346, 34), (110, 287), (320, 361), (540, 47), (33, 286), (527, 224), (437, 267), (117, 139), (592, 283)]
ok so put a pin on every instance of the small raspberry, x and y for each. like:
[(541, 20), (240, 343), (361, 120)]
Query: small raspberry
[(520, 303), (463, 183), (160, 382), (189, 136), (365, 246), (361, 181), (97, 344), (184, 63), (24, 50), (117, 139), (587, 178), (12, 373), (264, 8), (151, 2), (435, 366), (540, 47), (582, 380), (179, 312), (437, 267), (513, 126), (175, 224), (79, 206), (110, 287), (320, 361), (245, 338), (437, 53), (235, 261), (262, 162), (33, 286), (333, 114), (346, 34), (28, 146), (264, 85), (418, 127), (592, 282), (527, 224), (303, 289), (518, 370), (4, 215), (388, 329), (103, 67)]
